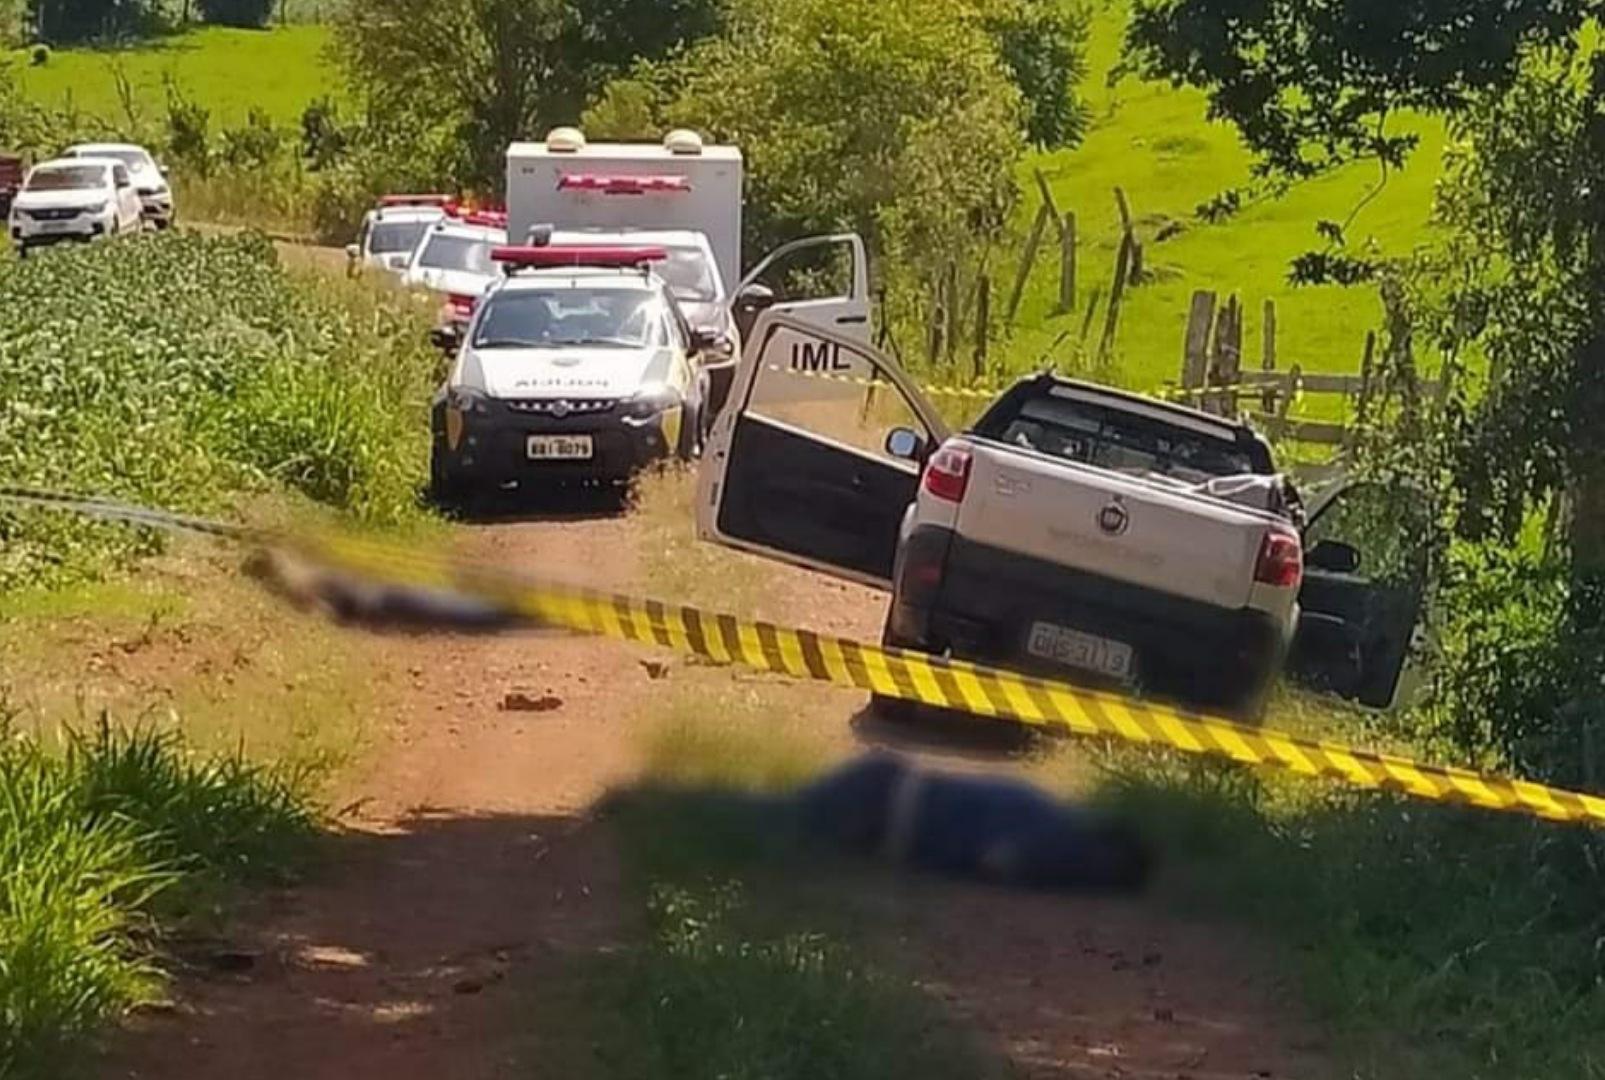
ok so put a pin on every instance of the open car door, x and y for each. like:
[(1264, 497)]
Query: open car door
[(1365, 575), (818, 453), (821, 280)]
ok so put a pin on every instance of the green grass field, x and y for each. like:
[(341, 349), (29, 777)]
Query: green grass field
[(228, 71), (1155, 143), (1149, 139)]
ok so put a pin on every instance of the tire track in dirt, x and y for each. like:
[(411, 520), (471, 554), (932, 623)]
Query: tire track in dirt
[(466, 860)]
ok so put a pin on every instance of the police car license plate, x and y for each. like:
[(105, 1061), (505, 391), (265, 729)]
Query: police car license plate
[(559, 448), (1076, 649)]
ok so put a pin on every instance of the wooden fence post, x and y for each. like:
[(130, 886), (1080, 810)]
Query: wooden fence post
[(1117, 291), (1027, 261), (1367, 378), (1226, 365), (1128, 228), (1092, 309), (1195, 347), (1067, 263), (1279, 425), (983, 321), (1267, 362)]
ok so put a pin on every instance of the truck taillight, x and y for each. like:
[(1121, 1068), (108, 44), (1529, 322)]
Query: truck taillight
[(1281, 559), (947, 474), (461, 305)]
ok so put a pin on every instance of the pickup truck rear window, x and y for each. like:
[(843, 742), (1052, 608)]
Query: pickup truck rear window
[(1113, 438)]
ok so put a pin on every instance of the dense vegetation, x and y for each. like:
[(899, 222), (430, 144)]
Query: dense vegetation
[(182, 370), (104, 842)]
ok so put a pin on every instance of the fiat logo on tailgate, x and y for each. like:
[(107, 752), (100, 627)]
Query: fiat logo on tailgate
[(1114, 518)]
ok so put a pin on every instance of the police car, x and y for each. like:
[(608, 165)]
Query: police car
[(391, 231), (454, 260), (577, 365)]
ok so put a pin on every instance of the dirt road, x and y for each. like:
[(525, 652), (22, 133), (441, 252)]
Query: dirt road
[(470, 870)]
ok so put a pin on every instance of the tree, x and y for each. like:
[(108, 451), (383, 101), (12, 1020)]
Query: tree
[(1314, 83), (73, 21), (253, 14), (1044, 45), (495, 71), (896, 119)]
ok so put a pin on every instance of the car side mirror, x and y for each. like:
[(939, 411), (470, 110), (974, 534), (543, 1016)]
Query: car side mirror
[(446, 338), (755, 296), (905, 444), (1333, 556), (703, 339)]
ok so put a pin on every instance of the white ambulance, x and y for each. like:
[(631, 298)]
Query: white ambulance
[(568, 183)]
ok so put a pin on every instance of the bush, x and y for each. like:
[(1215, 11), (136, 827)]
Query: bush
[(142, 369), (188, 138), (252, 14), (257, 145), (124, 826)]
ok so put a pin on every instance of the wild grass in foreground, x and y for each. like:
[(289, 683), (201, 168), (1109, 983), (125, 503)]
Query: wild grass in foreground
[(103, 844), (1445, 942)]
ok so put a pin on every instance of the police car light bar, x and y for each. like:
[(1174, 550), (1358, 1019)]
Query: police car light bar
[(417, 200), (494, 219), (622, 185), (599, 256)]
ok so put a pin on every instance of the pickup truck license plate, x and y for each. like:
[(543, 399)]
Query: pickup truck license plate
[(559, 448), (1076, 649)]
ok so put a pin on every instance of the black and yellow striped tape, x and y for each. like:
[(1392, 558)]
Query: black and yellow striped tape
[(911, 676)]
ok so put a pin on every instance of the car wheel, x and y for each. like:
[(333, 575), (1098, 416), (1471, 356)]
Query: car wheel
[(445, 492)]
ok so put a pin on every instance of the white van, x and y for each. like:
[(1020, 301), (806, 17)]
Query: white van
[(682, 184)]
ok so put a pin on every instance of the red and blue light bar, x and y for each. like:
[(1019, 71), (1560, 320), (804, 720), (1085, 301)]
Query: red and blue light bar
[(577, 255), (620, 184)]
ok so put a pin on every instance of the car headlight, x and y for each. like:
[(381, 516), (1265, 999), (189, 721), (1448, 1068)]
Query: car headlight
[(465, 400), (651, 401), (96, 208)]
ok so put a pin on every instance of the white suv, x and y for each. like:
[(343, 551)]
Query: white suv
[(74, 199), (150, 179)]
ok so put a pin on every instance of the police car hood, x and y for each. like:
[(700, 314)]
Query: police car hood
[(568, 371)]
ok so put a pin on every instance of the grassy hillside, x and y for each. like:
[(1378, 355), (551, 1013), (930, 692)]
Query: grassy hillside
[(1155, 142), (227, 71), (1150, 139)]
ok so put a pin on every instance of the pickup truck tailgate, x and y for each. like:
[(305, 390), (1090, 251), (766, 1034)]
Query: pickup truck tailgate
[(1187, 545)]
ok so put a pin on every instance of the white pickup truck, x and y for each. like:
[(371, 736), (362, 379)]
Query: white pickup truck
[(1073, 530)]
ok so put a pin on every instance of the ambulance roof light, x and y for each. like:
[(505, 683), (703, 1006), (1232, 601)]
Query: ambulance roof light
[(616, 184), (565, 140), (683, 141)]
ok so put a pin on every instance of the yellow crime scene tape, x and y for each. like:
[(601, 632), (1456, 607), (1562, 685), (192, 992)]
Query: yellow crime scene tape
[(910, 676)]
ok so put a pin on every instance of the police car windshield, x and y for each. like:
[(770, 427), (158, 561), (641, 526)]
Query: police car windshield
[(444, 251), (389, 237), (689, 275), (554, 318)]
